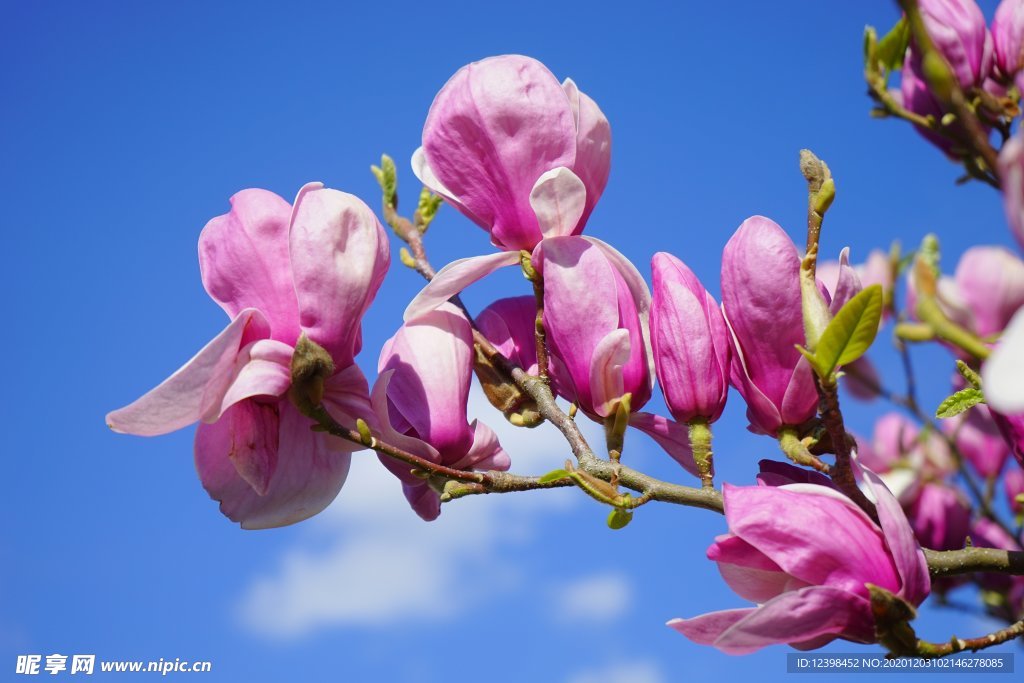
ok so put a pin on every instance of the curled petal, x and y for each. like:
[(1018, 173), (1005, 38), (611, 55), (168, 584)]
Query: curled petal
[(454, 278), (558, 198), (263, 369), (793, 617), (339, 258), (593, 146), (196, 390), (606, 384), (245, 263), (671, 436), (485, 453)]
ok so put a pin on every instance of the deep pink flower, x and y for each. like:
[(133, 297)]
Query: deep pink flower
[(506, 144), (761, 303), (596, 307), (958, 30), (940, 517), (420, 399), (690, 342), (804, 553), (278, 272)]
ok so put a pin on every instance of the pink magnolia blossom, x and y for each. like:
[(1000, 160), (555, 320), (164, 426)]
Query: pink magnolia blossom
[(1008, 38), (991, 284), (595, 311), (690, 342), (940, 517), (761, 303), (508, 146), (807, 577), (278, 272), (979, 440), (1003, 384), (420, 399)]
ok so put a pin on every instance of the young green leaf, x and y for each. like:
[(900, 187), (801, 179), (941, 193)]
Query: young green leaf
[(892, 47), (553, 475), (619, 518), (959, 402), (972, 377), (851, 331)]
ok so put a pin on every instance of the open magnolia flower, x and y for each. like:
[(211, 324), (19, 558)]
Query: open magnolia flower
[(520, 155), (805, 553), (279, 273)]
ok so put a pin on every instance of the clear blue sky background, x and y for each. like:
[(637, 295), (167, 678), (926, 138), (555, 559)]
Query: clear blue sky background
[(124, 127)]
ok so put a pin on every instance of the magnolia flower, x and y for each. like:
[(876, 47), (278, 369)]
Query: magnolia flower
[(595, 313), (1011, 171), (761, 302), (1003, 384), (508, 146), (690, 342), (807, 577), (420, 399), (940, 517), (1008, 38), (522, 156), (279, 273), (990, 281)]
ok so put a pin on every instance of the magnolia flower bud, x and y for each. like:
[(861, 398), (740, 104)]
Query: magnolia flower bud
[(690, 342), (958, 31), (1008, 38)]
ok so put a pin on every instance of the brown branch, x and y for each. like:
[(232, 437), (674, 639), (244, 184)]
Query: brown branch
[(971, 560), (954, 645)]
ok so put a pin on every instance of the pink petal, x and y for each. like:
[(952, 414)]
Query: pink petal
[(339, 259), (454, 278), (385, 422), (308, 475), (195, 390), (432, 359), (493, 129), (606, 385), (748, 571), (244, 261), (813, 533), (899, 537), (792, 617), (673, 437), (847, 285), (558, 198), (263, 368), (486, 453), (421, 169), (593, 146)]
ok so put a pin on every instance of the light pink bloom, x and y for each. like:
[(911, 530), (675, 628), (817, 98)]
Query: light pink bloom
[(277, 272), (1011, 171), (990, 281), (761, 303), (808, 578), (595, 312), (508, 146), (1008, 38), (979, 440), (420, 399)]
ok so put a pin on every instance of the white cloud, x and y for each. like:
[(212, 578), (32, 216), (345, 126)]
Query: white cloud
[(622, 672), (354, 566), (598, 598)]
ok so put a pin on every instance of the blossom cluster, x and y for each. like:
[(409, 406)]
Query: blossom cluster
[(526, 158)]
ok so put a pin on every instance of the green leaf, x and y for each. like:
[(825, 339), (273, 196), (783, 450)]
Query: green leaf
[(851, 331), (962, 400), (893, 46), (553, 475), (973, 378), (619, 518)]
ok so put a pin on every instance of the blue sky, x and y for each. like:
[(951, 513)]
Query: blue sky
[(125, 127)]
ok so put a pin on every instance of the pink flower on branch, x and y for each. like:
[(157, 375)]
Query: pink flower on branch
[(805, 553), (420, 400), (279, 273)]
